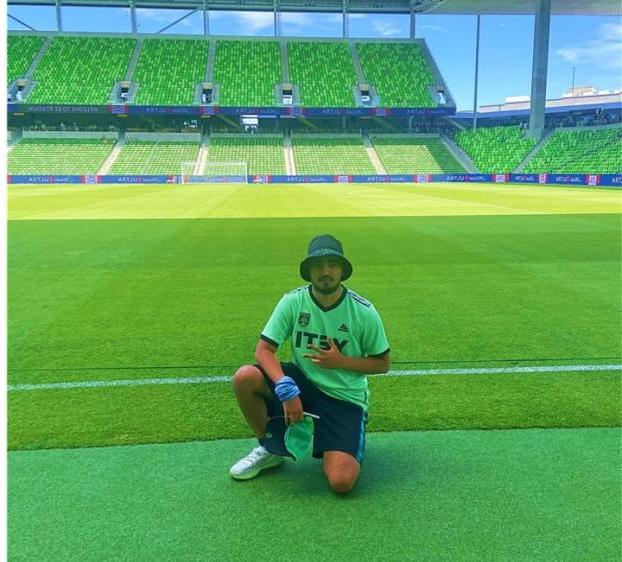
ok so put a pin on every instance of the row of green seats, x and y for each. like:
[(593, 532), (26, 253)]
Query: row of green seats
[(415, 155), (248, 72), (331, 155), (580, 151), (263, 154), (152, 157), (21, 50), (399, 72), (84, 70), (169, 70), (59, 156), (81, 70), (495, 149), (323, 72)]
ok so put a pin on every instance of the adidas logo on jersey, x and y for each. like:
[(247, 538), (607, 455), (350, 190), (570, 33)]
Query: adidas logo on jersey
[(343, 328)]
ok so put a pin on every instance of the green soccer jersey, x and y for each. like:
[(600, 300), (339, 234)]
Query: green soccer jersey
[(352, 323)]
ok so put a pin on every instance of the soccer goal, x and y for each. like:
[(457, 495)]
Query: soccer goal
[(214, 172)]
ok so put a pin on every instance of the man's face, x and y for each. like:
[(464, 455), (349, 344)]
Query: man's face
[(326, 274)]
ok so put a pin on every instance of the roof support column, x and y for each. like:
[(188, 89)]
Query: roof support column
[(345, 19), (205, 17), (412, 21), (539, 68), (277, 19), (59, 16), (476, 73), (133, 23)]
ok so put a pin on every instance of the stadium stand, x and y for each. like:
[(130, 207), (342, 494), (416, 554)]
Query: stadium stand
[(413, 155), (324, 73), (149, 157), (81, 70), (316, 154), (168, 71), (399, 72), (580, 151), (495, 149), (21, 50), (248, 72), (58, 156), (263, 154)]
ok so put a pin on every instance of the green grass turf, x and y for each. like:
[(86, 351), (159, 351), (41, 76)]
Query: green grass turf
[(105, 299), (502, 495), (168, 413), (115, 293), (302, 201), (109, 299)]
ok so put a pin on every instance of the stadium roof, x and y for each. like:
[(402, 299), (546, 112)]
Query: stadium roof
[(437, 7)]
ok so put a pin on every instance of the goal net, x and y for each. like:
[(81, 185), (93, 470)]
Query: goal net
[(214, 172)]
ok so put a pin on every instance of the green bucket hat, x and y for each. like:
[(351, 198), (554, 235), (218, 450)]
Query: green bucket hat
[(298, 438), (289, 440), (325, 245)]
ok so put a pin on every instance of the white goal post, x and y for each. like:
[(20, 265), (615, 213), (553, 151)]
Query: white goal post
[(215, 172)]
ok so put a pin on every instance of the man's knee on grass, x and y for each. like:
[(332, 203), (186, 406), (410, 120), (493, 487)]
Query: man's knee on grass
[(341, 470), (248, 378), (341, 483)]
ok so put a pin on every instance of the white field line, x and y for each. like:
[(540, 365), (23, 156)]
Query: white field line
[(407, 373)]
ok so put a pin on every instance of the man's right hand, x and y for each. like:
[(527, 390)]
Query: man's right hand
[(292, 410)]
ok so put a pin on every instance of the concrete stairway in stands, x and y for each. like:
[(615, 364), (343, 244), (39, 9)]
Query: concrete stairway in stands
[(373, 156), (112, 157)]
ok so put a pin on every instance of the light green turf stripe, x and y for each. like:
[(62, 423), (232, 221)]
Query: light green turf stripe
[(300, 200), (443, 495), (414, 372)]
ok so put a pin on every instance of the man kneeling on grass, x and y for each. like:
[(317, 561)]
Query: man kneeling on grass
[(337, 338)]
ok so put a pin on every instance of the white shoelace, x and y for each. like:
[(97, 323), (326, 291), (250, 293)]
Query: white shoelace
[(255, 455)]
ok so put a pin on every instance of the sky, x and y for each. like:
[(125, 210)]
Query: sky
[(591, 45)]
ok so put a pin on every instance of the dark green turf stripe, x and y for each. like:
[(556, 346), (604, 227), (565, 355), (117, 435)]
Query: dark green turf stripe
[(125, 293), (168, 413), (501, 495)]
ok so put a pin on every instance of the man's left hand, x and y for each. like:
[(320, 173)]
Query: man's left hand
[(330, 358)]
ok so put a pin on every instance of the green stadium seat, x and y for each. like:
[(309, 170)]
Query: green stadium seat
[(168, 71), (415, 155), (263, 154), (59, 156), (21, 51), (81, 70), (399, 72), (247, 72), (324, 73), (495, 149), (316, 154), (580, 151), (153, 157)]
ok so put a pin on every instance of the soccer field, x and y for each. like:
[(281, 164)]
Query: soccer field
[(131, 306), (128, 283)]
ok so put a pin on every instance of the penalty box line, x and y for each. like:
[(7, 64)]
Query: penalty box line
[(401, 373)]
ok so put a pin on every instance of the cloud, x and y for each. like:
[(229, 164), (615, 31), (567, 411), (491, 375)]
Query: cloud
[(255, 21), (605, 51), (296, 20), (165, 17), (434, 28), (387, 29)]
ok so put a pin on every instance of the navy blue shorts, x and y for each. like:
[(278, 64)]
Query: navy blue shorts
[(341, 426)]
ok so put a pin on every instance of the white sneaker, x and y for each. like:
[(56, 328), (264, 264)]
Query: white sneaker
[(253, 463)]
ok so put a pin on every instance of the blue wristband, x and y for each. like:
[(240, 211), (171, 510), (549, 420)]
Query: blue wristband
[(286, 388)]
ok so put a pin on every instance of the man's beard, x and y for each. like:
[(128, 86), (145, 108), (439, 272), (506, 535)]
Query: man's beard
[(326, 289)]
